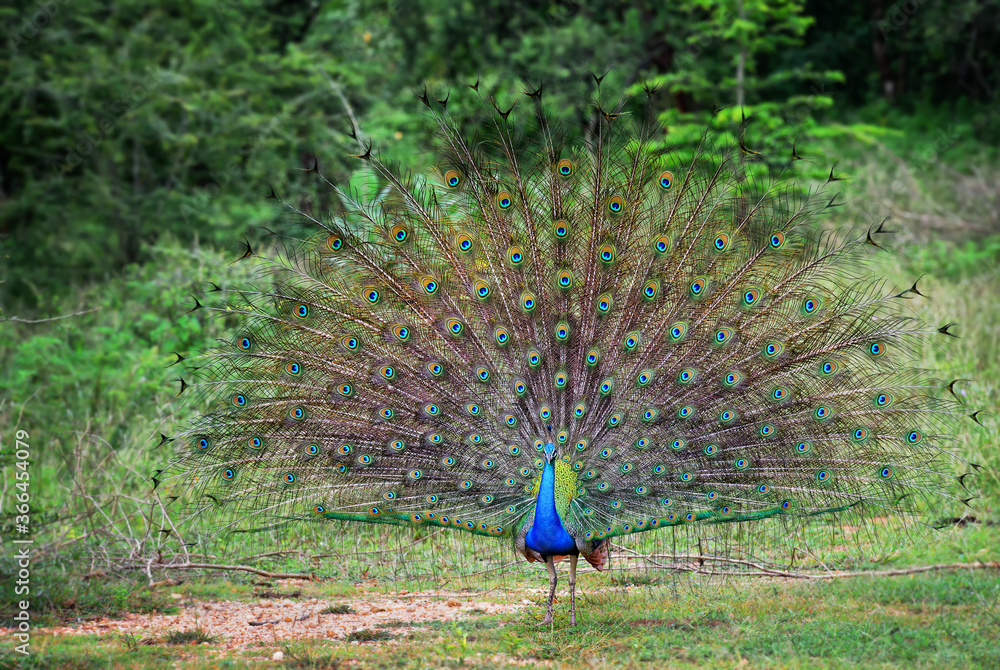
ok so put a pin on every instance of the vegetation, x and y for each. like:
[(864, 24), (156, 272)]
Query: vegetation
[(137, 141)]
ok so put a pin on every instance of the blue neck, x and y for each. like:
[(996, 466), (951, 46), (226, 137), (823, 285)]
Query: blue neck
[(547, 535)]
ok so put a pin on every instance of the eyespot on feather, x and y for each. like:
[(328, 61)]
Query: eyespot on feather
[(429, 285), (515, 256), (399, 233), (463, 241)]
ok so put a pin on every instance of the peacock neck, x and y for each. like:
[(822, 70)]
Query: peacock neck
[(547, 535), (546, 503)]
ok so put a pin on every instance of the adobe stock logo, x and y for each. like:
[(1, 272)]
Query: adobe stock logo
[(32, 25)]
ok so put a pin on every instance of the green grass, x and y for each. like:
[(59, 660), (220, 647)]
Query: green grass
[(196, 636), (928, 620)]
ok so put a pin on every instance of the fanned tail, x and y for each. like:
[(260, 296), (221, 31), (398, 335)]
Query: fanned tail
[(696, 349)]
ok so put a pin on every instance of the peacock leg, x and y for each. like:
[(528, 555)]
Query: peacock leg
[(551, 565), (572, 589)]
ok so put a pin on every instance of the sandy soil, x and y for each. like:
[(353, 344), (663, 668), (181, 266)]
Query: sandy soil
[(242, 624)]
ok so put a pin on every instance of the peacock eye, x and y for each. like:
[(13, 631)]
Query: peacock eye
[(811, 305), (528, 301), (399, 233), (604, 303), (463, 241), (429, 285), (607, 253), (661, 244), (515, 255)]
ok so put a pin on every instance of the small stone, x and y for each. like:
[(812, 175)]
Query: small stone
[(453, 603), (176, 596), (411, 608), (278, 656)]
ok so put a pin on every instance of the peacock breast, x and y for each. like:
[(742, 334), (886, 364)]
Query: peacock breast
[(566, 486)]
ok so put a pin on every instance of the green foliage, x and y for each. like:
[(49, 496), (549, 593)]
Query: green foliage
[(59, 593), (719, 76), (951, 261), (366, 635), (104, 371), (127, 123)]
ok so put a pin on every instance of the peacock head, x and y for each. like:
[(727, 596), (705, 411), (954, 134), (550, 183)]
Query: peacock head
[(550, 452)]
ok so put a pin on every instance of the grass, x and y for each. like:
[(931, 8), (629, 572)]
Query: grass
[(95, 458), (369, 636), (196, 636), (928, 620)]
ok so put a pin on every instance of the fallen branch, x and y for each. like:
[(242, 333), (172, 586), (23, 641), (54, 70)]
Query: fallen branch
[(764, 571), (229, 568), (689, 566)]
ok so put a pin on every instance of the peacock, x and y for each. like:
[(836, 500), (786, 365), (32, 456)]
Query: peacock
[(557, 342)]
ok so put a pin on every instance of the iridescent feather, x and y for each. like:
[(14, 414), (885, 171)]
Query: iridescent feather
[(691, 349)]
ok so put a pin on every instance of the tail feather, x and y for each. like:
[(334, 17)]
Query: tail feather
[(697, 352)]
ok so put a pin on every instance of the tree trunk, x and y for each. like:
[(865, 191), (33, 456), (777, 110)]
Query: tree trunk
[(880, 50)]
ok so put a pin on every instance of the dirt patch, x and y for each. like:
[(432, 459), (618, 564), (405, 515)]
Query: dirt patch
[(242, 624)]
